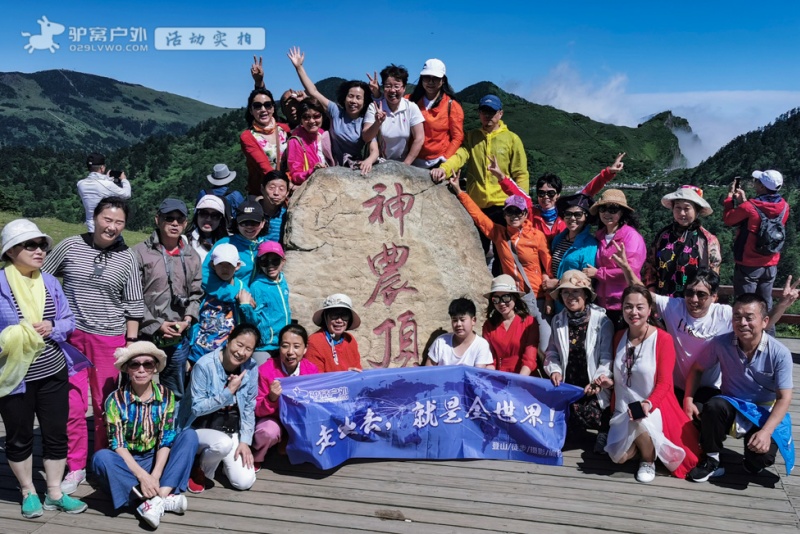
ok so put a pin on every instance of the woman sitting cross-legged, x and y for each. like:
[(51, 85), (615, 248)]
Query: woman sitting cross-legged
[(579, 353), (293, 343), (221, 408), (145, 458), (647, 420)]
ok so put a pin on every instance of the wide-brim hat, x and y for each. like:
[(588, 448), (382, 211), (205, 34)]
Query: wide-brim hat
[(21, 230), (611, 196), (573, 279), (503, 284), (139, 348), (691, 194), (337, 300), (221, 175)]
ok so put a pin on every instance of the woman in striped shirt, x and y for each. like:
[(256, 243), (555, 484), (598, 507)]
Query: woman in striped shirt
[(36, 361), (104, 290)]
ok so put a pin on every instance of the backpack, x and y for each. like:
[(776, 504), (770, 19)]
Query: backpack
[(771, 234)]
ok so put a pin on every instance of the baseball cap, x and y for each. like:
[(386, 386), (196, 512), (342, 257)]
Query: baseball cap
[(491, 101), (173, 204), (434, 67), (772, 180), (95, 159), (250, 210), (225, 253), (272, 247), (516, 201)]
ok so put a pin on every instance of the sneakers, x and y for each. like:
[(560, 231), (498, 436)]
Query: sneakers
[(646, 472), (31, 506), (151, 511), (177, 504), (197, 481), (706, 469), (72, 481), (68, 504), (600, 443)]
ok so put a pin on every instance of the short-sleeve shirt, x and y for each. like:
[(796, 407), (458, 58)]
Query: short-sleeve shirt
[(345, 133), (691, 336), (442, 353), (757, 380), (396, 129)]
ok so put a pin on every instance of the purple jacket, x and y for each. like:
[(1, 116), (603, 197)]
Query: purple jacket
[(63, 322), (610, 279)]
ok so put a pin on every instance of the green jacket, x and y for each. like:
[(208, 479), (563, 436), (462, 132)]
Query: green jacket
[(503, 144)]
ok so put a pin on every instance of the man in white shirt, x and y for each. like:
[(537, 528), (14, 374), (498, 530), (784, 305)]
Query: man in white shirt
[(463, 346), (99, 185)]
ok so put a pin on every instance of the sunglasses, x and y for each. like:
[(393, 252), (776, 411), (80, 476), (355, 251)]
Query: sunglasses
[(338, 315), (429, 79), (573, 215), (505, 299), (613, 209), (31, 246), (271, 260), (265, 105), (550, 193), (513, 213), (173, 218), (149, 365), (701, 295), (249, 224), (210, 214)]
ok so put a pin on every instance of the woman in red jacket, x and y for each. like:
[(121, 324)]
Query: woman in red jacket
[(332, 348), (511, 331), (444, 117), (647, 420), (264, 141)]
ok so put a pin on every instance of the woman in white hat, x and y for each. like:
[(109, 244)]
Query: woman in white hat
[(332, 348), (511, 331), (617, 225), (35, 362), (209, 224), (683, 247), (579, 353), (145, 452), (444, 116)]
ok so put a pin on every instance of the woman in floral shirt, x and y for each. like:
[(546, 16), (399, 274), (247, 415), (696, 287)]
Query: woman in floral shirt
[(264, 141), (145, 460)]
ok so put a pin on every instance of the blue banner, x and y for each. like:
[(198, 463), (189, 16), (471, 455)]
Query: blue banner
[(448, 412)]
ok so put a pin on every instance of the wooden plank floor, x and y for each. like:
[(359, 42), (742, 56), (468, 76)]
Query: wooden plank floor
[(588, 493)]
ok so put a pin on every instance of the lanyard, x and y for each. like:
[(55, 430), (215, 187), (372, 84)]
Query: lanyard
[(168, 267)]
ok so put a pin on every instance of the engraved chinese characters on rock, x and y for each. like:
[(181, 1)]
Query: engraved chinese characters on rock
[(386, 267)]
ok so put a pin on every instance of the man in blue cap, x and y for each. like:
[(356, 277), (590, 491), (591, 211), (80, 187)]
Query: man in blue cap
[(171, 272), (492, 142)]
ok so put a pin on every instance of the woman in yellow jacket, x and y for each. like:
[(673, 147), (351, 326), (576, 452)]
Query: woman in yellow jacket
[(444, 117)]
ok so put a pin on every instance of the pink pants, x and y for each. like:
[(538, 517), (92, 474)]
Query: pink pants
[(102, 379), (267, 434)]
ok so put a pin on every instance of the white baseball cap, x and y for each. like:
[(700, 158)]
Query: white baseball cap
[(225, 253), (772, 180), (211, 202), (434, 67)]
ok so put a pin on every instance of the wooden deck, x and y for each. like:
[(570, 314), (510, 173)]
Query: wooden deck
[(588, 493)]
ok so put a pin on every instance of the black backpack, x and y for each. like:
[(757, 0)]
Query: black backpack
[(771, 234)]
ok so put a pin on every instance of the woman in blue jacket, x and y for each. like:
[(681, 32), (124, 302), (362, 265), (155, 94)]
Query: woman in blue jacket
[(270, 312), (575, 247)]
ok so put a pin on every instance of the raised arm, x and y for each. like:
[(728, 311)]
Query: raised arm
[(257, 71), (606, 175), (373, 121), (297, 57), (789, 296)]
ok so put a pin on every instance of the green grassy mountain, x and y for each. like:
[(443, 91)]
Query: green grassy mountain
[(66, 110)]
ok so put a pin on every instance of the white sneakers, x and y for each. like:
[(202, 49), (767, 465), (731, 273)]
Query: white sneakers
[(72, 481), (153, 509), (646, 473)]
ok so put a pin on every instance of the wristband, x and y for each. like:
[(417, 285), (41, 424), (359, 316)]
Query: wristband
[(131, 339)]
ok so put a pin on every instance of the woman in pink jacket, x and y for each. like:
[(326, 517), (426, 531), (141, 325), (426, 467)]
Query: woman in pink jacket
[(309, 147), (293, 343), (617, 225)]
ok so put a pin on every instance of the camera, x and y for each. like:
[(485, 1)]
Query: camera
[(115, 176), (179, 302)]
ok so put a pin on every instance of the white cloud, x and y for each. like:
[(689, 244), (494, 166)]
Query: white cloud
[(715, 116)]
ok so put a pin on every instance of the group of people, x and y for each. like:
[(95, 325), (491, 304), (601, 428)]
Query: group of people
[(203, 303)]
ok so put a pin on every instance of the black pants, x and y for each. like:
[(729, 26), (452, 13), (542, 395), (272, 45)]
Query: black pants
[(495, 213), (718, 416), (48, 400), (701, 396)]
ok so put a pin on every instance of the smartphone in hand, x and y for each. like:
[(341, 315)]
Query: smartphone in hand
[(637, 412)]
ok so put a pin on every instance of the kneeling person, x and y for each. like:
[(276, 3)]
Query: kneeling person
[(756, 388)]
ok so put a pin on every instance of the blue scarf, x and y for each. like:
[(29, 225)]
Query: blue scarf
[(550, 215)]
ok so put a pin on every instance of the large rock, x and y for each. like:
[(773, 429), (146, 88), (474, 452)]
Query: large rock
[(400, 246)]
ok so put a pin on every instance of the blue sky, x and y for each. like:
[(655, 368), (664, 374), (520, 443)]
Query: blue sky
[(728, 67)]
